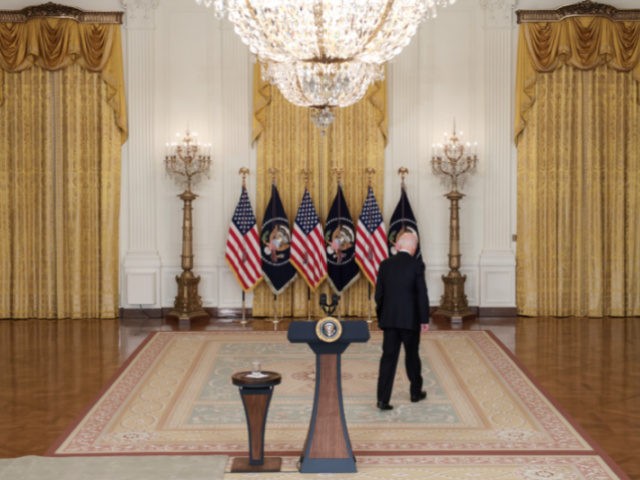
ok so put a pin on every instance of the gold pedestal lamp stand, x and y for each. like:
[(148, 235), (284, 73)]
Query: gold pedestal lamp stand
[(187, 163), (453, 160)]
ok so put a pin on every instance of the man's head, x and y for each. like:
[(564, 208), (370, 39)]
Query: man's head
[(407, 241)]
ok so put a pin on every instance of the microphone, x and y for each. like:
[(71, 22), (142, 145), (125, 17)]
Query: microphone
[(329, 308)]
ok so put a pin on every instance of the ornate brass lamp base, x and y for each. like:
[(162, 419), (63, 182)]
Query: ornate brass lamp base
[(188, 304), (453, 303), (454, 161), (187, 163)]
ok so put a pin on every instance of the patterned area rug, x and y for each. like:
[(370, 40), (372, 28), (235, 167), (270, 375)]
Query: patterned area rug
[(176, 396), (455, 467)]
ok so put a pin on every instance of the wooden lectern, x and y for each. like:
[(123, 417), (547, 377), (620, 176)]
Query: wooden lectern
[(256, 396), (327, 448)]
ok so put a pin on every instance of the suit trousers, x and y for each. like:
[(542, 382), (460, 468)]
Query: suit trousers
[(392, 339)]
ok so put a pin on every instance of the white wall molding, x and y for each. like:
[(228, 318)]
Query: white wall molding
[(497, 279), (140, 13), (498, 13), (497, 260), (141, 264), (204, 81)]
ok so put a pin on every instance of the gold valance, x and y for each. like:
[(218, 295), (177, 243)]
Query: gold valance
[(53, 43), (584, 41)]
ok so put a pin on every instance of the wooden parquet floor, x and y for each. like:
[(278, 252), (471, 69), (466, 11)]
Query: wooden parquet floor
[(51, 370)]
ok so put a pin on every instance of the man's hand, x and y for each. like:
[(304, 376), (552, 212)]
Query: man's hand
[(424, 327)]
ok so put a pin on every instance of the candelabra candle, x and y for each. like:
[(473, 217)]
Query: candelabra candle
[(188, 162), (454, 160)]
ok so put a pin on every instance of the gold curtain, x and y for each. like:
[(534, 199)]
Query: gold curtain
[(56, 43), (578, 138), (61, 129), (288, 141)]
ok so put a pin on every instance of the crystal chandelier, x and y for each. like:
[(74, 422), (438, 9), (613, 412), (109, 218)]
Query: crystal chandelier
[(324, 53)]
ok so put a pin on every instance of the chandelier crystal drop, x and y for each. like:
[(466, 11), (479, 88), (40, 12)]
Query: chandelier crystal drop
[(325, 53), (314, 84), (371, 31)]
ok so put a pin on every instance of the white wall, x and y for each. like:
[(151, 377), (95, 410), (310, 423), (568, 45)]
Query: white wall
[(437, 78), (197, 75), (202, 77), (186, 68)]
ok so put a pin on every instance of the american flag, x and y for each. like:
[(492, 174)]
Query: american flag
[(371, 238), (243, 245), (307, 244)]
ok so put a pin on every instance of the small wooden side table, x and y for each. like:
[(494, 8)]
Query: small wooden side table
[(256, 395)]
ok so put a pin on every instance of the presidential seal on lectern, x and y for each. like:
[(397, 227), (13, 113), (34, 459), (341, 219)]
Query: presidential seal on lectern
[(329, 329)]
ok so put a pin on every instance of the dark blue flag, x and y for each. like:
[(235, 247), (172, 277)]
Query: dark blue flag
[(401, 221), (275, 243), (340, 241)]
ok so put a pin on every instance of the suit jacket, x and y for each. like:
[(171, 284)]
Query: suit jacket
[(401, 293)]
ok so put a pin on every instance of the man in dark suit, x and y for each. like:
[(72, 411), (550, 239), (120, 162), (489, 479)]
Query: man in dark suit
[(402, 308)]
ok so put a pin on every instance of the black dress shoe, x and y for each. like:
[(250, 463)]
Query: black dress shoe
[(417, 398), (384, 406)]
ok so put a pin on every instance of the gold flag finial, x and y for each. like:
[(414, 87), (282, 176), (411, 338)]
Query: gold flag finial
[(370, 172), (306, 175), (403, 172), (244, 171), (338, 171), (274, 173)]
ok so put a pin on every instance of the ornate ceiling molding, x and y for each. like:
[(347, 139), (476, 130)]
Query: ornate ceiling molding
[(498, 13), (140, 8), (496, 4), (584, 8), (54, 10)]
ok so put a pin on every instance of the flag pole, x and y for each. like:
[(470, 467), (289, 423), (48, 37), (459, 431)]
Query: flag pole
[(338, 172), (370, 172), (244, 171), (308, 303), (243, 322), (369, 321), (403, 172), (275, 312)]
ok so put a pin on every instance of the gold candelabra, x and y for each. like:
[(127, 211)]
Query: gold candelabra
[(187, 162), (453, 161)]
